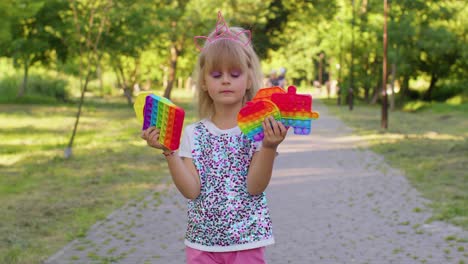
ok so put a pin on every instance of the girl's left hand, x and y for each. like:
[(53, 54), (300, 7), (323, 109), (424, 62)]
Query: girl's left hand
[(274, 131)]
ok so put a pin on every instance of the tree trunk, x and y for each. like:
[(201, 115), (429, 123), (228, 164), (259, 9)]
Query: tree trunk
[(377, 89), (172, 71), (126, 89), (375, 93), (366, 91), (101, 82), (428, 94), (188, 84), (68, 150), (24, 85), (405, 87), (119, 83), (366, 83), (180, 82), (392, 85)]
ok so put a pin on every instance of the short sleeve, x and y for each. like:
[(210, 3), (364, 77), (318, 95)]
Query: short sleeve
[(185, 149)]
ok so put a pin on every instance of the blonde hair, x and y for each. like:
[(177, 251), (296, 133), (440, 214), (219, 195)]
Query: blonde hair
[(227, 52)]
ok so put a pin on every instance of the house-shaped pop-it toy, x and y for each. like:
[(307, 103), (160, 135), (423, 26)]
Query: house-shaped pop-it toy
[(153, 110), (251, 116), (295, 110), (265, 93)]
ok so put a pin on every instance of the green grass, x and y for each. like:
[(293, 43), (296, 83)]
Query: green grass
[(47, 200), (429, 145)]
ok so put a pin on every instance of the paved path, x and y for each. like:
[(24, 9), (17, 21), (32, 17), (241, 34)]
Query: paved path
[(332, 202)]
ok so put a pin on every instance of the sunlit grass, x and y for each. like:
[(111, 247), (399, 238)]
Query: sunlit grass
[(48, 200), (430, 145)]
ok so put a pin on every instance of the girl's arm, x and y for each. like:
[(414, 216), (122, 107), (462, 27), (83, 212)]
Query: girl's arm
[(185, 175), (183, 172), (261, 166)]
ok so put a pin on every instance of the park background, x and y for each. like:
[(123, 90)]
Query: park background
[(70, 151)]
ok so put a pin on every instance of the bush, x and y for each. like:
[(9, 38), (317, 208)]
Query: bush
[(413, 94), (8, 88), (55, 88), (39, 90), (414, 106), (447, 90)]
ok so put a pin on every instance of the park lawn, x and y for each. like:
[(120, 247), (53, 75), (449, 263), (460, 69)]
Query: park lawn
[(430, 146), (47, 200)]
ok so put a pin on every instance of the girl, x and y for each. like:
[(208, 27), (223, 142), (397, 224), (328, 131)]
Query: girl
[(221, 171)]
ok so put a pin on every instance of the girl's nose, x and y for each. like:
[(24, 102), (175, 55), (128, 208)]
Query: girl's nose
[(226, 78)]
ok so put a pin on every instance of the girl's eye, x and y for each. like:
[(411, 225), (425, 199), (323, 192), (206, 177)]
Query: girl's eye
[(215, 74), (236, 73)]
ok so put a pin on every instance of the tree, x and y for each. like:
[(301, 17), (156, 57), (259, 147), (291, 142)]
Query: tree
[(406, 20), (36, 35), (90, 21), (439, 51), (133, 27)]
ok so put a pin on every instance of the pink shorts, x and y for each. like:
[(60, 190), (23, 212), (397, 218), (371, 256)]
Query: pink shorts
[(251, 256)]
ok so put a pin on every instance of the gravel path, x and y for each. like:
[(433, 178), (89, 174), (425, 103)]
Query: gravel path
[(332, 202)]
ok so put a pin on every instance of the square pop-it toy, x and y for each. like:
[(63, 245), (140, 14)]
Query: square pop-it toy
[(294, 110), (154, 110)]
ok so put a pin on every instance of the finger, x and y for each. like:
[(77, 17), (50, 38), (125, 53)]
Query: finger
[(146, 134), (283, 129), (274, 125), (266, 126), (154, 138), (266, 129), (153, 131), (147, 131)]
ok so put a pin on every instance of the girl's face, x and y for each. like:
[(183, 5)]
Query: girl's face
[(226, 86)]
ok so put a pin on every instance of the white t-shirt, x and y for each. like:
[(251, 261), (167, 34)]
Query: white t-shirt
[(186, 144), (225, 216)]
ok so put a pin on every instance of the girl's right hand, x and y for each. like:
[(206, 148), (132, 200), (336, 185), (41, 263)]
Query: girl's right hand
[(151, 135), (275, 132)]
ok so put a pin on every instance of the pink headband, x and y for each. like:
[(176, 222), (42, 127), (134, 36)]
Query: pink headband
[(222, 32)]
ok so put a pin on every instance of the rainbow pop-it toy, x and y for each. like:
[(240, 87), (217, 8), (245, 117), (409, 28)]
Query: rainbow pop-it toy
[(251, 116), (153, 110), (295, 110)]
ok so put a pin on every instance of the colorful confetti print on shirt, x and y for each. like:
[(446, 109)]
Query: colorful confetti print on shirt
[(225, 214)]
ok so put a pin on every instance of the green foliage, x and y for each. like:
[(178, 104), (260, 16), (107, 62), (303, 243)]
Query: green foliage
[(41, 89), (6, 11), (414, 106), (425, 39), (449, 89), (36, 32)]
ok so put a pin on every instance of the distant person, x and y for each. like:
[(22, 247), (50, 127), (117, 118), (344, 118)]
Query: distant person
[(222, 172), (273, 79), (282, 77)]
